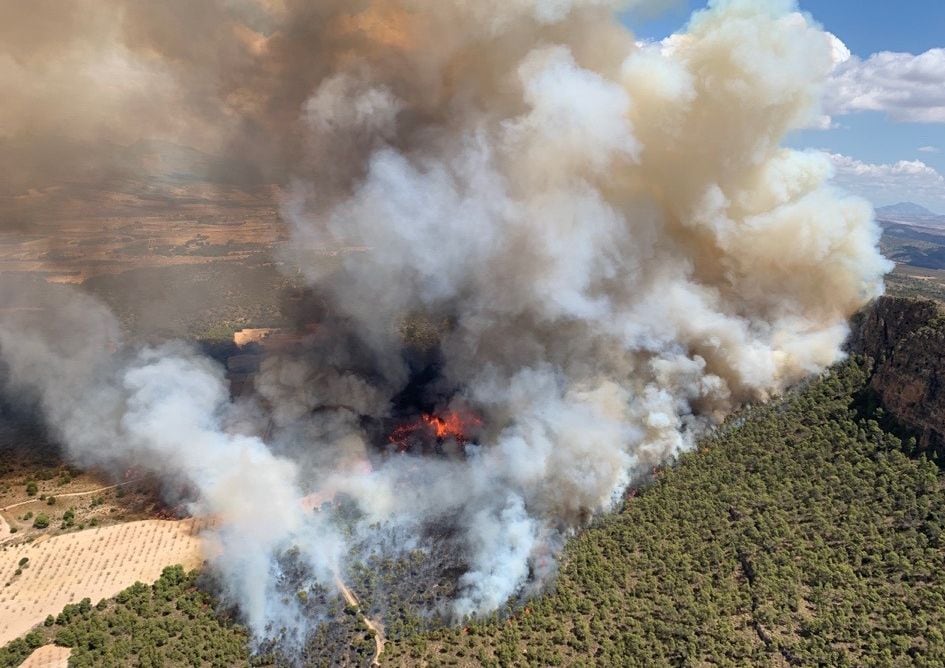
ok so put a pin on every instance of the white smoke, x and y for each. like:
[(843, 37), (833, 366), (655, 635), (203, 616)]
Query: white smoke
[(625, 249), (163, 411), (622, 250)]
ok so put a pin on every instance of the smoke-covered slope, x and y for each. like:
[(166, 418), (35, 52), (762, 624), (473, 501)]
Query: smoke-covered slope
[(800, 534)]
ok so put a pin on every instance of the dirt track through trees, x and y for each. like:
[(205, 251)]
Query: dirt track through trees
[(374, 627)]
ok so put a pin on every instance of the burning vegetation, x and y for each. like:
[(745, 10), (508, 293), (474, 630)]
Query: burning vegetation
[(450, 426)]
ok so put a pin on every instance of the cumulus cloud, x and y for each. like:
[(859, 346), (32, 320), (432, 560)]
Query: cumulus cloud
[(911, 180), (929, 149), (905, 86)]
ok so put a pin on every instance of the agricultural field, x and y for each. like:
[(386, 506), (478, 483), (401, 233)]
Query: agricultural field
[(40, 577), (919, 254), (206, 301), (48, 656), (74, 250), (916, 282), (67, 534), (67, 501), (173, 622)]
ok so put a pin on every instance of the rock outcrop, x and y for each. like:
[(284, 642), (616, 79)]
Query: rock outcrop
[(905, 338)]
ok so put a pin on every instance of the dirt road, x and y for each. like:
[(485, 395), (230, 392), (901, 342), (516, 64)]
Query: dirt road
[(71, 494), (374, 627)]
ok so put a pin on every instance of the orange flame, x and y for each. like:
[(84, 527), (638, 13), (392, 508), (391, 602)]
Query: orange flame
[(451, 425)]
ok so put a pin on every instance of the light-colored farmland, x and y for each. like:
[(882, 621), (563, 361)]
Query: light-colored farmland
[(95, 564), (48, 656)]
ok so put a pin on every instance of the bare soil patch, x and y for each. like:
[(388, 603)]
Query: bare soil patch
[(48, 656)]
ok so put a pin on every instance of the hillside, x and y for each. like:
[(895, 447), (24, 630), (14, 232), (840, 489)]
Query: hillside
[(906, 340), (800, 534), (807, 531)]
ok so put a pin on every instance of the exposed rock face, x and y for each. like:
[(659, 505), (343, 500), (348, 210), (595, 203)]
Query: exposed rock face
[(906, 340)]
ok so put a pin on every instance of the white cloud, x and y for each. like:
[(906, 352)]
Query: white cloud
[(905, 86), (929, 149), (906, 180), (839, 51)]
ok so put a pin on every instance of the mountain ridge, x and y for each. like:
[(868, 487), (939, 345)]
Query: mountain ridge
[(906, 209)]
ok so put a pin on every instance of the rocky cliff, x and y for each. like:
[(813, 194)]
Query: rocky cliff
[(905, 338)]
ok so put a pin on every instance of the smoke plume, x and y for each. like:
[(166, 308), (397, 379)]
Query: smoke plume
[(615, 247)]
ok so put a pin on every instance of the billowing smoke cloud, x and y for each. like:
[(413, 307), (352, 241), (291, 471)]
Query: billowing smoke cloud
[(163, 410), (625, 250), (618, 247)]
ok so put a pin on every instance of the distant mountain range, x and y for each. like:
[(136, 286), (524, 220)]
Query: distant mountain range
[(909, 212)]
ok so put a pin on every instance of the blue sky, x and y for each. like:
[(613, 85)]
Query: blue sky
[(865, 26), (897, 151)]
